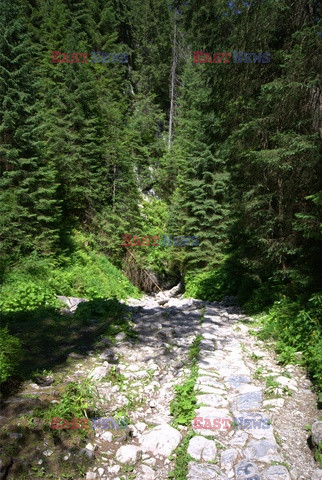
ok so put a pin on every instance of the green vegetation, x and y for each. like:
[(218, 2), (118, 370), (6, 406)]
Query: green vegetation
[(78, 400), (318, 453), (255, 357), (10, 354), (298, 332), (182, 458), (50, 336), (84, 273), (183, 405), (258, 374), (115, 377), (209, 285), (232, 156)]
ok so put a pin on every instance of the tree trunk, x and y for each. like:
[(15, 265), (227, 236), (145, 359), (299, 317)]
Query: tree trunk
[(173, 81)]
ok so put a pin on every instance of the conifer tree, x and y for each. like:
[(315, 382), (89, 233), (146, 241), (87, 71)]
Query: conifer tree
[(27, 186), (200, 199)]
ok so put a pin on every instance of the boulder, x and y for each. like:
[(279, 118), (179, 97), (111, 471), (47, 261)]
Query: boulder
[(128, 454), (162, 440), (200, 448), (316, 433)]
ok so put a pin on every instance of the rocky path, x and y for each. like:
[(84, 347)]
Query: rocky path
[(260, 408), (237, 378)]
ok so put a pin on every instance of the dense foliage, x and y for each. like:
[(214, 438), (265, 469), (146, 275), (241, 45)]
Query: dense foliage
[(85, 156)]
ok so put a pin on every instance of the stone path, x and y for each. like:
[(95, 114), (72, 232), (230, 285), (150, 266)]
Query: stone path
[(228, 390), (238, 378)]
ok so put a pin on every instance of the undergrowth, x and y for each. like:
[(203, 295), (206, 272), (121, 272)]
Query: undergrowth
[(78, 400), (35, 281), (210, 285), (297, 330), (10, 354)]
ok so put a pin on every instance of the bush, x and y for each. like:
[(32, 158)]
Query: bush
[(209, 285), (26, 296), (10, 354), (297, 329), (35, 282)]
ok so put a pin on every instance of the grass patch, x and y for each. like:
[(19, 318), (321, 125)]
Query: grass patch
[(183, 405), (182, 458), (115, 377)]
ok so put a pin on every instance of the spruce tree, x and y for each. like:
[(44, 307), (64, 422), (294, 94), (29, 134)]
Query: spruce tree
[(27, 185), (200, 200)]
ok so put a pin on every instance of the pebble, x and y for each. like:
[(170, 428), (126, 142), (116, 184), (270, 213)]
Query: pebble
[(48, 453)]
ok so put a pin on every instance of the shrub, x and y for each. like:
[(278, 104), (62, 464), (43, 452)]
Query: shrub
[(209, 285), (34, 282), (26, 296), (297, 328)]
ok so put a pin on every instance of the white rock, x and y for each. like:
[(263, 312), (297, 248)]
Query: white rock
[(287, 382), (91, 476), (47, 453), (317, 474), (133, 430), (162, 440), (90, 446), (120, 336), (114, 469), (133, 368), (240, 438), (228, 458), (200, 448), (107, 436), (101, 471), (129, 454), (317, 432), (99, 372), (34, 385), (276, 472), (140, 426), (148, 472), (274, 402)]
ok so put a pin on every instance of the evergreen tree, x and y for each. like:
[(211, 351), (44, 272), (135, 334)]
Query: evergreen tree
[(200, 199), (265, 129), (29, 214)]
